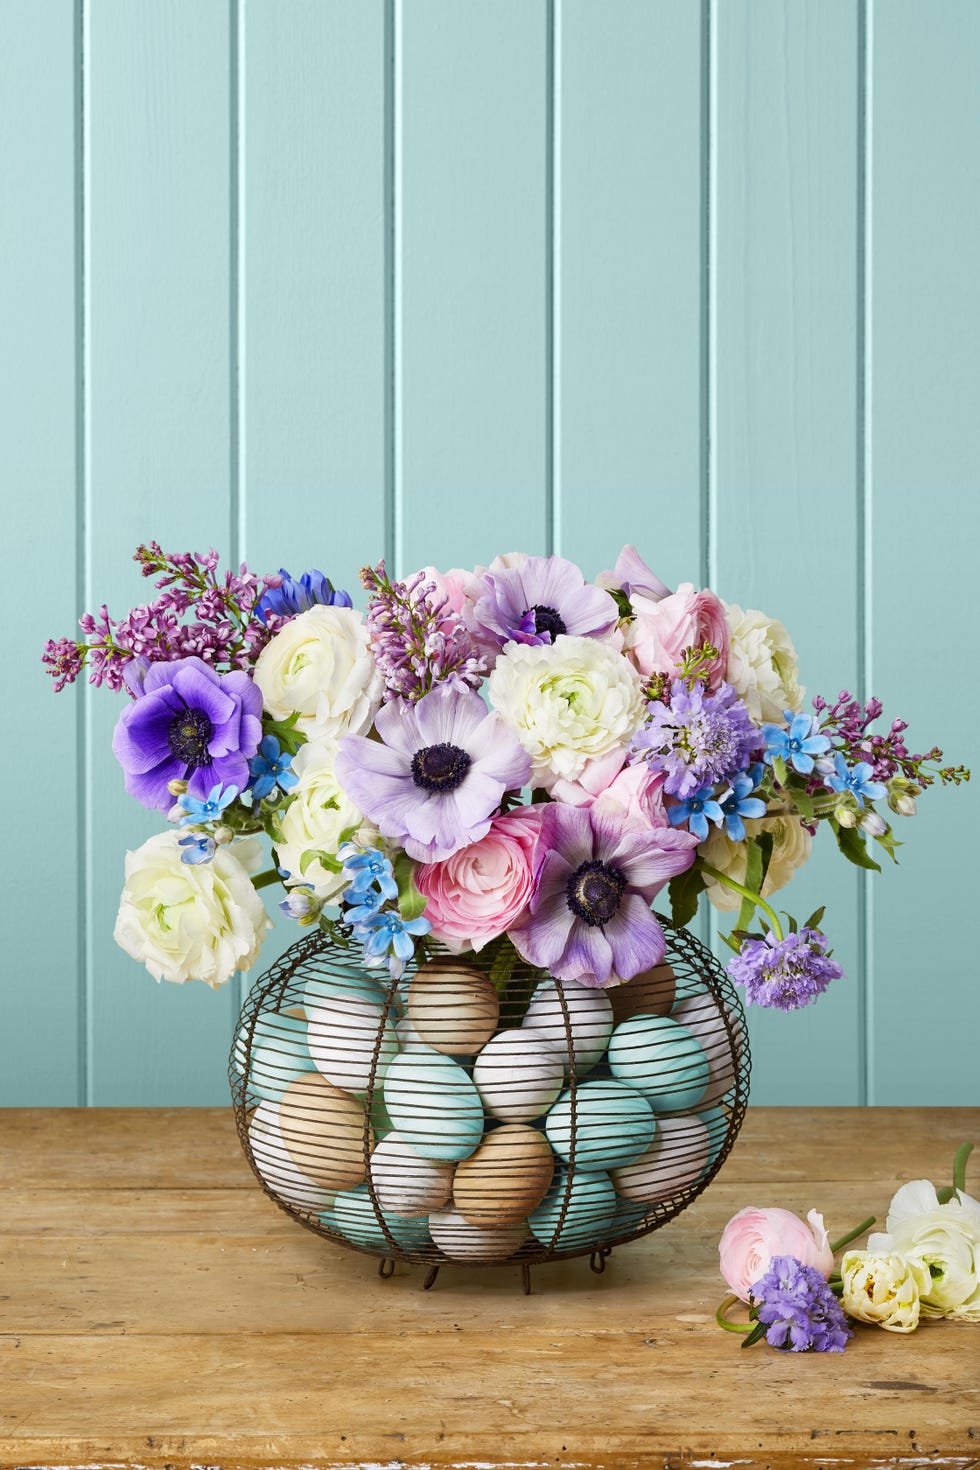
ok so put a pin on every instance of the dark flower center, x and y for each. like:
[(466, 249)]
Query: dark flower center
[(594, 891), (439, 767), (189, 736), (547, 620)]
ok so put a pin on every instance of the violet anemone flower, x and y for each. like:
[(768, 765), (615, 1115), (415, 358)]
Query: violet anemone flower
[(188, 724), (536, 601), (590, 917), (436, 777)]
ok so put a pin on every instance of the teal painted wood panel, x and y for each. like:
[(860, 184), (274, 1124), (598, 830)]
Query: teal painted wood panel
[(470, 275), (923, 475), (784, 406), (158, 338), (39, 1061)]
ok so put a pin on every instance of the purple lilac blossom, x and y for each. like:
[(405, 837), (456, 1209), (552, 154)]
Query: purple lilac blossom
[(190, 724), (416, 640), (590, 918), (438, 773), (296, 595), (786, 974), (536, 601), (798, 1309), (697, 739)]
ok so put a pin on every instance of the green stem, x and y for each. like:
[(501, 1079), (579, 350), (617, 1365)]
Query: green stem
[(723, 1321), (959, 1167), (838, 1245), (755, 898), (266, 879)]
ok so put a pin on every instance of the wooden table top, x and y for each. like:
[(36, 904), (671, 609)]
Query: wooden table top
[(158, 1310)]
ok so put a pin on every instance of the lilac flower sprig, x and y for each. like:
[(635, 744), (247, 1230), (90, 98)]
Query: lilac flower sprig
[(847, 722), (417, 641)]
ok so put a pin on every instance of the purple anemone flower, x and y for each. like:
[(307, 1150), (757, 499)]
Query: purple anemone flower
[(535, 602), (437, 775), (188, 724), (590, 917)]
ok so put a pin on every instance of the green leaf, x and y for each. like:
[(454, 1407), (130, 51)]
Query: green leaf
[(622, 602), (889, 842), (813, 922), (316, 855), (765, 841), (803, 802), (502, 966), (779, 770), (285, 731), (685, 890), (854, 847), (752, 879), (411, 903), (731, 941)]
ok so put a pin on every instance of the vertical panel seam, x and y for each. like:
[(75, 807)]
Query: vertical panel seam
[(552, 520), (236, 548), (392, 287), (865, 21), (82, 562), (709, 356)]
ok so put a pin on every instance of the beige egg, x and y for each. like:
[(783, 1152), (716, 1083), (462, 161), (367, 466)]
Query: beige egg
[(675, 1160), (408, 1185), (651, 992), (323, 1129), (453, 1007), (507, 1177), (277, 1168), (461, 1241)]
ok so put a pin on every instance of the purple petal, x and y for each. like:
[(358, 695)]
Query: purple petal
[(449, 715), (636, 938), (140, 740)]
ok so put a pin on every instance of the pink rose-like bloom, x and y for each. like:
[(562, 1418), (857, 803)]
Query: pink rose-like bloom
[(637, 789), (658, 636), (480, 891), (752, 1237), (456, 586)]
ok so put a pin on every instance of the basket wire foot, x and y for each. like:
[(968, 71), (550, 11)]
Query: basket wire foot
[(430, 1280), (526, 1278), (386, 1267), (597, 1260)]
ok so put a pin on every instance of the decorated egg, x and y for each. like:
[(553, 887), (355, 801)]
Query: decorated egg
[(267, 1027), (462, 1241), (434, 1105), (277, 1168), (506, 1178), (703, 1016), (324, 1129), (613, 1125), (349, 1043), (280, 1057), (662, 1059), (587, 1014), (652, 992), (406, 1183), (674, 1161), (408, 1038), (583, 1203), (453, 1007), (354, 1216), (628, 1217), (716, 1122), (518, 1074)]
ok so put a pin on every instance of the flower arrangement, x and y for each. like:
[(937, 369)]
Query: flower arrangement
[(512, 761), (926, 1264)]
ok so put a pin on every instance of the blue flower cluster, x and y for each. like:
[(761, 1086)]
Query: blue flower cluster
[(385, 936), (296, 595)]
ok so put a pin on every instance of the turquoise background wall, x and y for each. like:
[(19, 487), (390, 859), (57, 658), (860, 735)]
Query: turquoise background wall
[(313, 280)]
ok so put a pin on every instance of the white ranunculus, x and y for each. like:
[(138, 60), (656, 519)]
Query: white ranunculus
[(570, 702), (762, 664), (883, 1289), (320, 666), (945, 1239), (191, 921), (319, 811), (791, 844)]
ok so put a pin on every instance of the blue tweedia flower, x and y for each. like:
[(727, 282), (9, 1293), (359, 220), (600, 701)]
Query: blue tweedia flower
[(387, 937), (196, 849), (798, 1309), (365, 870), (697, 739), (785, 974), (740, 803), (196, 811), (697, 811), (855, 780), (271, 767), (294, 596), (799, 744), (366, 905)]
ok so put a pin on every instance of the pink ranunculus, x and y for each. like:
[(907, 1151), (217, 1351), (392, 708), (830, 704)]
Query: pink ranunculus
[(752, 1237), (660, 632), (637, 789), (455, 586), (632, 574), (481, 890)]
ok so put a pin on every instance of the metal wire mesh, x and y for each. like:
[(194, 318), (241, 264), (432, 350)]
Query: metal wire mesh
[(437, 1121)]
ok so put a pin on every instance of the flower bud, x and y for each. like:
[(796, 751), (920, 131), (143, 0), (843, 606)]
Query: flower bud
[(901, 796), (223, 835), (873, 824), (846, 816), (176, 787), (883, 1289)]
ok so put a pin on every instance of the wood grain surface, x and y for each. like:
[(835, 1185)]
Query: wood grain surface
[(158, 1310)]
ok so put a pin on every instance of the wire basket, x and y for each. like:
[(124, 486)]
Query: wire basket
[(448, 1119)]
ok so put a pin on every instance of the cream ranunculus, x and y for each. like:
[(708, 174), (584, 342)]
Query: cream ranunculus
[(320, 666), (791, 844), (945, 1239), (318, 813), (883, 1289), (191, 921), (762, 664), (571, 702)]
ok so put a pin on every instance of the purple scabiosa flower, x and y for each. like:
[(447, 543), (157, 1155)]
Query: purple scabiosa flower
[(190, 724), (798, 745), (786, 974), (589, 918), (438, 773), (294, 596), (857, 780), (536, 601), (798, 1309), (697, 739)]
